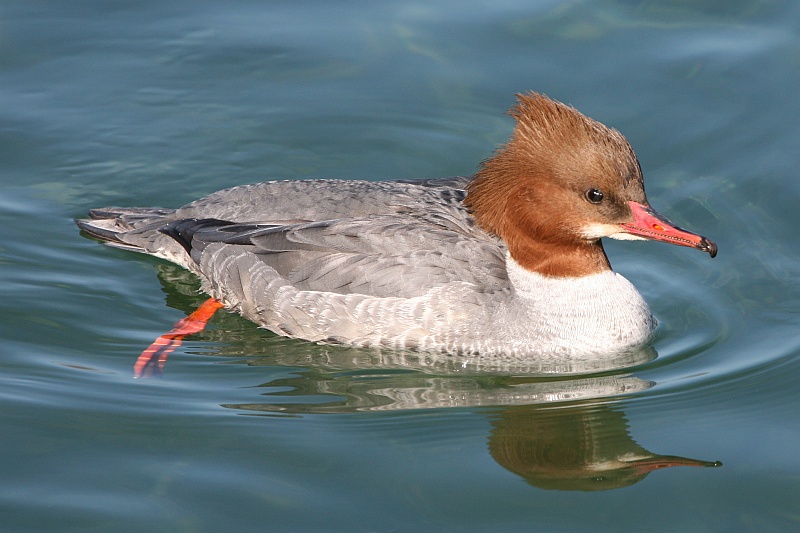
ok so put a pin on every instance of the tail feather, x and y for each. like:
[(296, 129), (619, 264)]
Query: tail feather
[(112, 224), (104, 229), (137, 229)]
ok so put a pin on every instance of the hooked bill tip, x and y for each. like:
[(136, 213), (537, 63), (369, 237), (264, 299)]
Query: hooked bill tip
[(709, 246)]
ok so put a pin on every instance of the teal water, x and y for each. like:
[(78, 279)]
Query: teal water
[(158, 103)]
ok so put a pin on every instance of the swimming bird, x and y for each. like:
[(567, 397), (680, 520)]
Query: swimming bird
[(506, 263)]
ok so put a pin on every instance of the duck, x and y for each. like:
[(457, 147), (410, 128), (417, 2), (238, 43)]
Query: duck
[(506, 263)]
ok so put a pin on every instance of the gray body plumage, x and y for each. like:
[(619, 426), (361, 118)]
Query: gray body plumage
[(398, 264)]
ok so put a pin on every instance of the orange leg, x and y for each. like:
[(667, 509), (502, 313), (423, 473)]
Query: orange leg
[(152, 360)]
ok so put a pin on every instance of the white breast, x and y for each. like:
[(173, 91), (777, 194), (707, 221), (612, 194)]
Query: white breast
[(599, 313)]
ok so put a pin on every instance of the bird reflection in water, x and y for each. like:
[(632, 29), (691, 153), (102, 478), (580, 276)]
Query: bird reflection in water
[(557, 435)]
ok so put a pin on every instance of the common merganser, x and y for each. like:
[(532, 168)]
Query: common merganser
[(506, 263)]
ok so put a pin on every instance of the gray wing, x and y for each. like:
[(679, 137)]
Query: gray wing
[(381, 256)]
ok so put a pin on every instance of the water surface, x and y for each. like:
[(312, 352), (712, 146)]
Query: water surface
[(153, 103)]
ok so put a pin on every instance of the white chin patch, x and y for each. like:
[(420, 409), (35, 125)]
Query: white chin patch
[(597, 231)]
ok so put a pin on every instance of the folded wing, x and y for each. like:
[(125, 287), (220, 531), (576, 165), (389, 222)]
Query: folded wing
[(380, 256)]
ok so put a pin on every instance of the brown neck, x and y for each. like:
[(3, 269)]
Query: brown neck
[(559, 259)]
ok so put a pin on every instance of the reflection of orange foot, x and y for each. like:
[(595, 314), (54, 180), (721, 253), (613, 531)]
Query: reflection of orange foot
[(151, 362)]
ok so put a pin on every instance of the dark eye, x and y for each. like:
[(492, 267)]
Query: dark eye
[(594, 195)]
